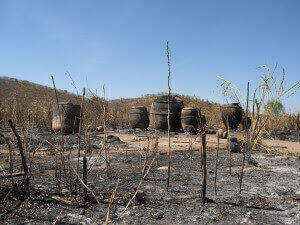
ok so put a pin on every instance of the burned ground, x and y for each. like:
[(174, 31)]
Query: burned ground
[(269, 192)]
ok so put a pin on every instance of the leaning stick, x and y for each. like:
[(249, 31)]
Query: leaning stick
[(144, 175), (112, 197), (25, 168)]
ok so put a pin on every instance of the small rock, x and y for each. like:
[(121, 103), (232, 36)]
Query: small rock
[(74, 219)]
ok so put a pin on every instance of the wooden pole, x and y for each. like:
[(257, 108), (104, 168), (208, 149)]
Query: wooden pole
[(168, 118), (246, 143), (203, 157)]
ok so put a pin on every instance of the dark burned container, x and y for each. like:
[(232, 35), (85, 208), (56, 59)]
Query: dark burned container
[(138, 117), (159, 113), (66, 117), (246, 122), (232, 114), (190, 120)]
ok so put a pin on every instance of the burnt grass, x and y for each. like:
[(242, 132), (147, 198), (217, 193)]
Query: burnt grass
[(268, 191)]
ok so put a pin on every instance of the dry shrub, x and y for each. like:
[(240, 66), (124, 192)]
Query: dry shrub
[(272, 88)]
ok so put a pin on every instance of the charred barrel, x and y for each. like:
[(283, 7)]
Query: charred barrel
[(232, 114), (159, 113), (190, 119), (66, 116), (246, 122), (138, 117)]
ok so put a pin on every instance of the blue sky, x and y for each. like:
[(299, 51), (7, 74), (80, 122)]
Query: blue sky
[(123, 44)]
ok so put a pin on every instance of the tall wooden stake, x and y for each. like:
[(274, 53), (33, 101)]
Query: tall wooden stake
[(246, 143), (203, 157), (168, 118)]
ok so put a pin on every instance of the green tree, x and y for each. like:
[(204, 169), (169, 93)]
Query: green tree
[(274, 108)]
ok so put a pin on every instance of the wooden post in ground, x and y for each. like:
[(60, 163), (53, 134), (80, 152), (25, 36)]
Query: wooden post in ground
[(203, 159), (168, 118), (245, 145)]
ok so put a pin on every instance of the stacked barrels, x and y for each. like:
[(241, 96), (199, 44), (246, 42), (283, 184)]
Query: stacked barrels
[(232, 115), (159, 113), (138, 117), (66, 116)]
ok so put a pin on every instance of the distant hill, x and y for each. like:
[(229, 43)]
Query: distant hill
[(18, 97), (11, 87)]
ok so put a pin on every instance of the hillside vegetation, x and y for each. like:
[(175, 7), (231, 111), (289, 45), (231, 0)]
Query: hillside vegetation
[(19, 99)]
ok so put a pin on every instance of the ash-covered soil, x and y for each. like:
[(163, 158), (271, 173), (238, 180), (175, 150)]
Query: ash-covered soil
[(270, 191)]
